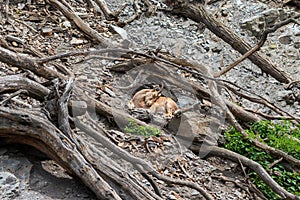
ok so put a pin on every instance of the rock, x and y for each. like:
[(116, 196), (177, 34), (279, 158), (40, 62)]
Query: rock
[(265, 19), (110, 92), (47, 31), (76, 41), (21, 6), (216, 48), (19, 166), (172, 197), (272, 46), (190, 155), (193, 129), (195, 193), (9, 185), (122, 32), (14, 44), (286, 39), (65, 25), (32, 195)]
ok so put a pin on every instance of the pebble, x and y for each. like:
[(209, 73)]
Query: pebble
[(9, 185), (190, 155), (47, 31), (286, 39), (76, 41), (172, 197), (15, 44), (66, 24), (195, 193)]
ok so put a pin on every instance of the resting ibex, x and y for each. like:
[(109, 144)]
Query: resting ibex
[(164, 105), (144, 98), (151, 99)]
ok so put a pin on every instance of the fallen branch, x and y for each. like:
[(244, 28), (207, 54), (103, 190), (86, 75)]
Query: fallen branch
[(3, 102), (256, 47), (35, 131), (82, 26), (22, 61), (17, 82), (199, 14), (136, 161), (261, 172)]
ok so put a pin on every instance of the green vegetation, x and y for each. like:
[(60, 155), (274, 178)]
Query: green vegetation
[(282, 136), (133, 128)]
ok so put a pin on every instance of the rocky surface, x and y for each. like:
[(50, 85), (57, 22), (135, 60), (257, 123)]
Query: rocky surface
[(22, 177), (184, 39)]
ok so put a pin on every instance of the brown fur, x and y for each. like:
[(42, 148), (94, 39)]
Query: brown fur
[(144, 98), (164, 105)]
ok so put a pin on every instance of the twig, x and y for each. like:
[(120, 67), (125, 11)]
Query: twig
[(198, 13), (25, 62), (149, 179), (271, 117), (81, 53), (151, 8), (119, 11), (36, 131), (251, 186), (13, 95), (136, 15), (258, 99), (236, 182), (183, 169), (28, 26), (109, 15), (261, 172), (85, 28), (293, 84), (261, 145), (63, 113), (275, 163), (219, 7), (6, 8), (261, 100)]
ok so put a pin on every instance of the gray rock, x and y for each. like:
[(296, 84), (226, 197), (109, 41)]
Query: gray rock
[(9, 185), (19, 166)]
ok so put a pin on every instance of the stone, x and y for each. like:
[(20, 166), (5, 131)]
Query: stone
[(47, 31), (19, 166), (76, 41), (9, 186)]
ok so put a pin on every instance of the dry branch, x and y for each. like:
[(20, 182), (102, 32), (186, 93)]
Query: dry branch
[(35, 131), (96, 170), (107, 13), (261, 172), (22, 61), (232, 120), (17, 82), (136, 161), (198, 14), (82, 26), (256, 47)]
